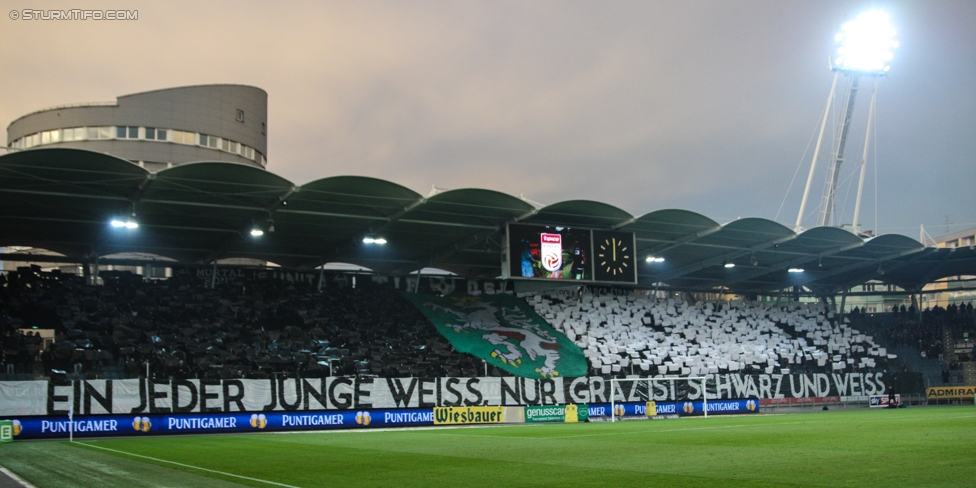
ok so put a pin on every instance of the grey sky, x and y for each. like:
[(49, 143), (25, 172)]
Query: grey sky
[(707, 106)]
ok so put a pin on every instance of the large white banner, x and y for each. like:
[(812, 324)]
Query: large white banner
[(93, 397)]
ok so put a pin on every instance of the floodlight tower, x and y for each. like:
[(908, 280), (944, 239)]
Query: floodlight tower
[(864, 48)]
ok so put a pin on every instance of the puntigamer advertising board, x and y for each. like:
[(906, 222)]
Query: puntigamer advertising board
[(169, 424), (155, 424)]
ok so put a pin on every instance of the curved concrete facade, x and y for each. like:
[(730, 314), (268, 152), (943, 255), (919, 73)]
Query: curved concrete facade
[(159, 128)]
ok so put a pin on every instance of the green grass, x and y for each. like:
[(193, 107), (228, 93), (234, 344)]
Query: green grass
[(933, 446)]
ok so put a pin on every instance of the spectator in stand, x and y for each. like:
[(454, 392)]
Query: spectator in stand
[(258, 329)]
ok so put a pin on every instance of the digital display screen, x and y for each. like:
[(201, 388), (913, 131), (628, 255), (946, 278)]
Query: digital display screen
[(549, 252), (614, 256)]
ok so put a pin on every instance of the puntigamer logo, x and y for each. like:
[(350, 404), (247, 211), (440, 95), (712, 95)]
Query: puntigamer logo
[(141, 424), (468, 415), (363, 418)]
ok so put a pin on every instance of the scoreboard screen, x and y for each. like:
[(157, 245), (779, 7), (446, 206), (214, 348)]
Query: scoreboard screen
[(564, 253), (548, 252)]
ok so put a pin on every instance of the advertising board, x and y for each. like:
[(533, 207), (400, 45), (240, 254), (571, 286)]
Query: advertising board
[(156, 424), (947, 392), (468, 415), (882, 401), (549, 413)]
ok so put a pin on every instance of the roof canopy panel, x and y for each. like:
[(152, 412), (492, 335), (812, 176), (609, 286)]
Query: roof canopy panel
[(64, 199), (469, 207), (230, 184), (667, 227), (351, 197), (581, 213)]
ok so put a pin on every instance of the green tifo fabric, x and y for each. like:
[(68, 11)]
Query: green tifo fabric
[(504, 331)]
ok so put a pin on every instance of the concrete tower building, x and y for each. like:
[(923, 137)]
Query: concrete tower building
[(157, 129)]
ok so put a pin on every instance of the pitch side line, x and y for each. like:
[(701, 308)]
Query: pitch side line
[(188, 466), (683, 429), (15, 478)]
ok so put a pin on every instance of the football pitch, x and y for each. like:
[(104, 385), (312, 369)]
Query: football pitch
[(934, 446)]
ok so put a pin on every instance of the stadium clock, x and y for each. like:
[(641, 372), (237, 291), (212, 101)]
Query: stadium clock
[(614, 254)]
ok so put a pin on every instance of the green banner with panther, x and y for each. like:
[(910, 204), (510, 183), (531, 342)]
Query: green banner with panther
[(504, 331)]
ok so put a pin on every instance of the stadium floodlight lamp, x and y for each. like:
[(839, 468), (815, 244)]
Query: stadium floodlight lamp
[(255, 232), (795, 270), (128, 224), (866, 44)]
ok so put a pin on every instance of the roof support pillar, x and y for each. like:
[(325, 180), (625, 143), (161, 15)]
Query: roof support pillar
[(843, 303)]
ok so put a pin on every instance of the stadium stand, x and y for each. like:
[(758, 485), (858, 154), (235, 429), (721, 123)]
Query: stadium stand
[(186, 330), (638, 334), (941, 338)]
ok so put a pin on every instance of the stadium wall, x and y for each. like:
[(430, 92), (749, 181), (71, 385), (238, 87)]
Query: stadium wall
[(138, 396)]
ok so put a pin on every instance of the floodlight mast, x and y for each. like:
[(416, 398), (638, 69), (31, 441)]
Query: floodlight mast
[(837, 158), (865, 47)]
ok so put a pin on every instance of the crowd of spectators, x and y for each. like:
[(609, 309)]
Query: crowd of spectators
[(634, 333), (184, 329), (945, 334), (904, 327)]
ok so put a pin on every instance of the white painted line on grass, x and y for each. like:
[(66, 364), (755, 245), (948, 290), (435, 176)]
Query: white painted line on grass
[(394, 429), (187, 465), (629, 432), (683, 429), (16, 478)]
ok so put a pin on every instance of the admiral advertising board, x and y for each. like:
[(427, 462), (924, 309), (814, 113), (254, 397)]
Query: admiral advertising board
[(950, 392)]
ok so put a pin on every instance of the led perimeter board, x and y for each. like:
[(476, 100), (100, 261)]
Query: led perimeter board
[(538, 252)]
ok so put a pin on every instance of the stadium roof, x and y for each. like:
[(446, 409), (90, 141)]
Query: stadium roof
[(63, 199)]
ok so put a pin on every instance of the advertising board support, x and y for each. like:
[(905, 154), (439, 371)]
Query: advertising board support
[(71, 414)]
